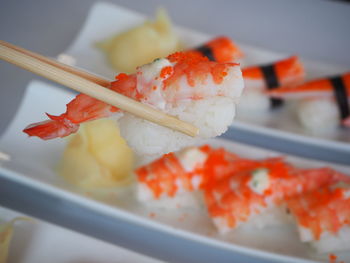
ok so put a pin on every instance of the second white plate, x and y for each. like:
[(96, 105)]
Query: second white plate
[(105, 20), (32, 166)]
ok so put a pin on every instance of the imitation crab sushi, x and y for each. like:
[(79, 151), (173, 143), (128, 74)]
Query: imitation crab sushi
[(259, 79), (324, 103), (186, 85), (323, 217)]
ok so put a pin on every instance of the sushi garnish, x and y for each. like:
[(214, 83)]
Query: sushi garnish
[(220, 49), (323, 217), (260, 180)]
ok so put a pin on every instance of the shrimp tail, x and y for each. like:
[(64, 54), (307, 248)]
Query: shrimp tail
[(57, 126)]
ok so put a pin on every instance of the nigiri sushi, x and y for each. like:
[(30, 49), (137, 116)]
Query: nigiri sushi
[(178, 179), (187, 170), (255, 196), (172, 180), (185, 84), (258, 79), (221, 49), (323, 217), (324, 103)]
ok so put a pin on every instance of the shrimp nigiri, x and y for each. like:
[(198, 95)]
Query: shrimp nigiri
[(324, 103), (185, 84), (256, 195), (187, 170), (220, 49), (258, 79), (323, 217)]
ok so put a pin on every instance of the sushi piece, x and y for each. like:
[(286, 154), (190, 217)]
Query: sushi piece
[(221, 49), (255, 197), (258, 79), (186, 85), (324, 103), (185, 171), (318, 116), (172, 174), (323, 217), (178, 179)]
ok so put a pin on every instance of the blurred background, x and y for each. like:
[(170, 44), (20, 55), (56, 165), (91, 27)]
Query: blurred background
[(312, 28)]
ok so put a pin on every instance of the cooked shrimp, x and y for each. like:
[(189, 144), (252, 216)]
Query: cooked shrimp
[(193, 168), (187, 170)]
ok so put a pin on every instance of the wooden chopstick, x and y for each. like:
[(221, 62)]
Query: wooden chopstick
[(88, 84), (98, 80)]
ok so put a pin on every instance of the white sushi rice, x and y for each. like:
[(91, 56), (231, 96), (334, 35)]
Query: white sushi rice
[(182, 199), (318, 115), (253, 101), (149, 141), (328, 242), (266, 217)]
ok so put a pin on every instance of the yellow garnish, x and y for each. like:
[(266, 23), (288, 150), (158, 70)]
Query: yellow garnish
[(6, 232), (142, 44), (97, 157)]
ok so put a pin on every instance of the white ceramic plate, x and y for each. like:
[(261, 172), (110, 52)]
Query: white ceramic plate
[(105, 20), (32, 165), (40, 242)]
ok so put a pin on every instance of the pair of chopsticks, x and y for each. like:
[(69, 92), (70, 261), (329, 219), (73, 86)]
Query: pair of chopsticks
[(88, 84)]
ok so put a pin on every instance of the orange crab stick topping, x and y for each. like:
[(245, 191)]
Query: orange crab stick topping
[(287, 71), (312, 88), (337, 86), (220, 49)]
